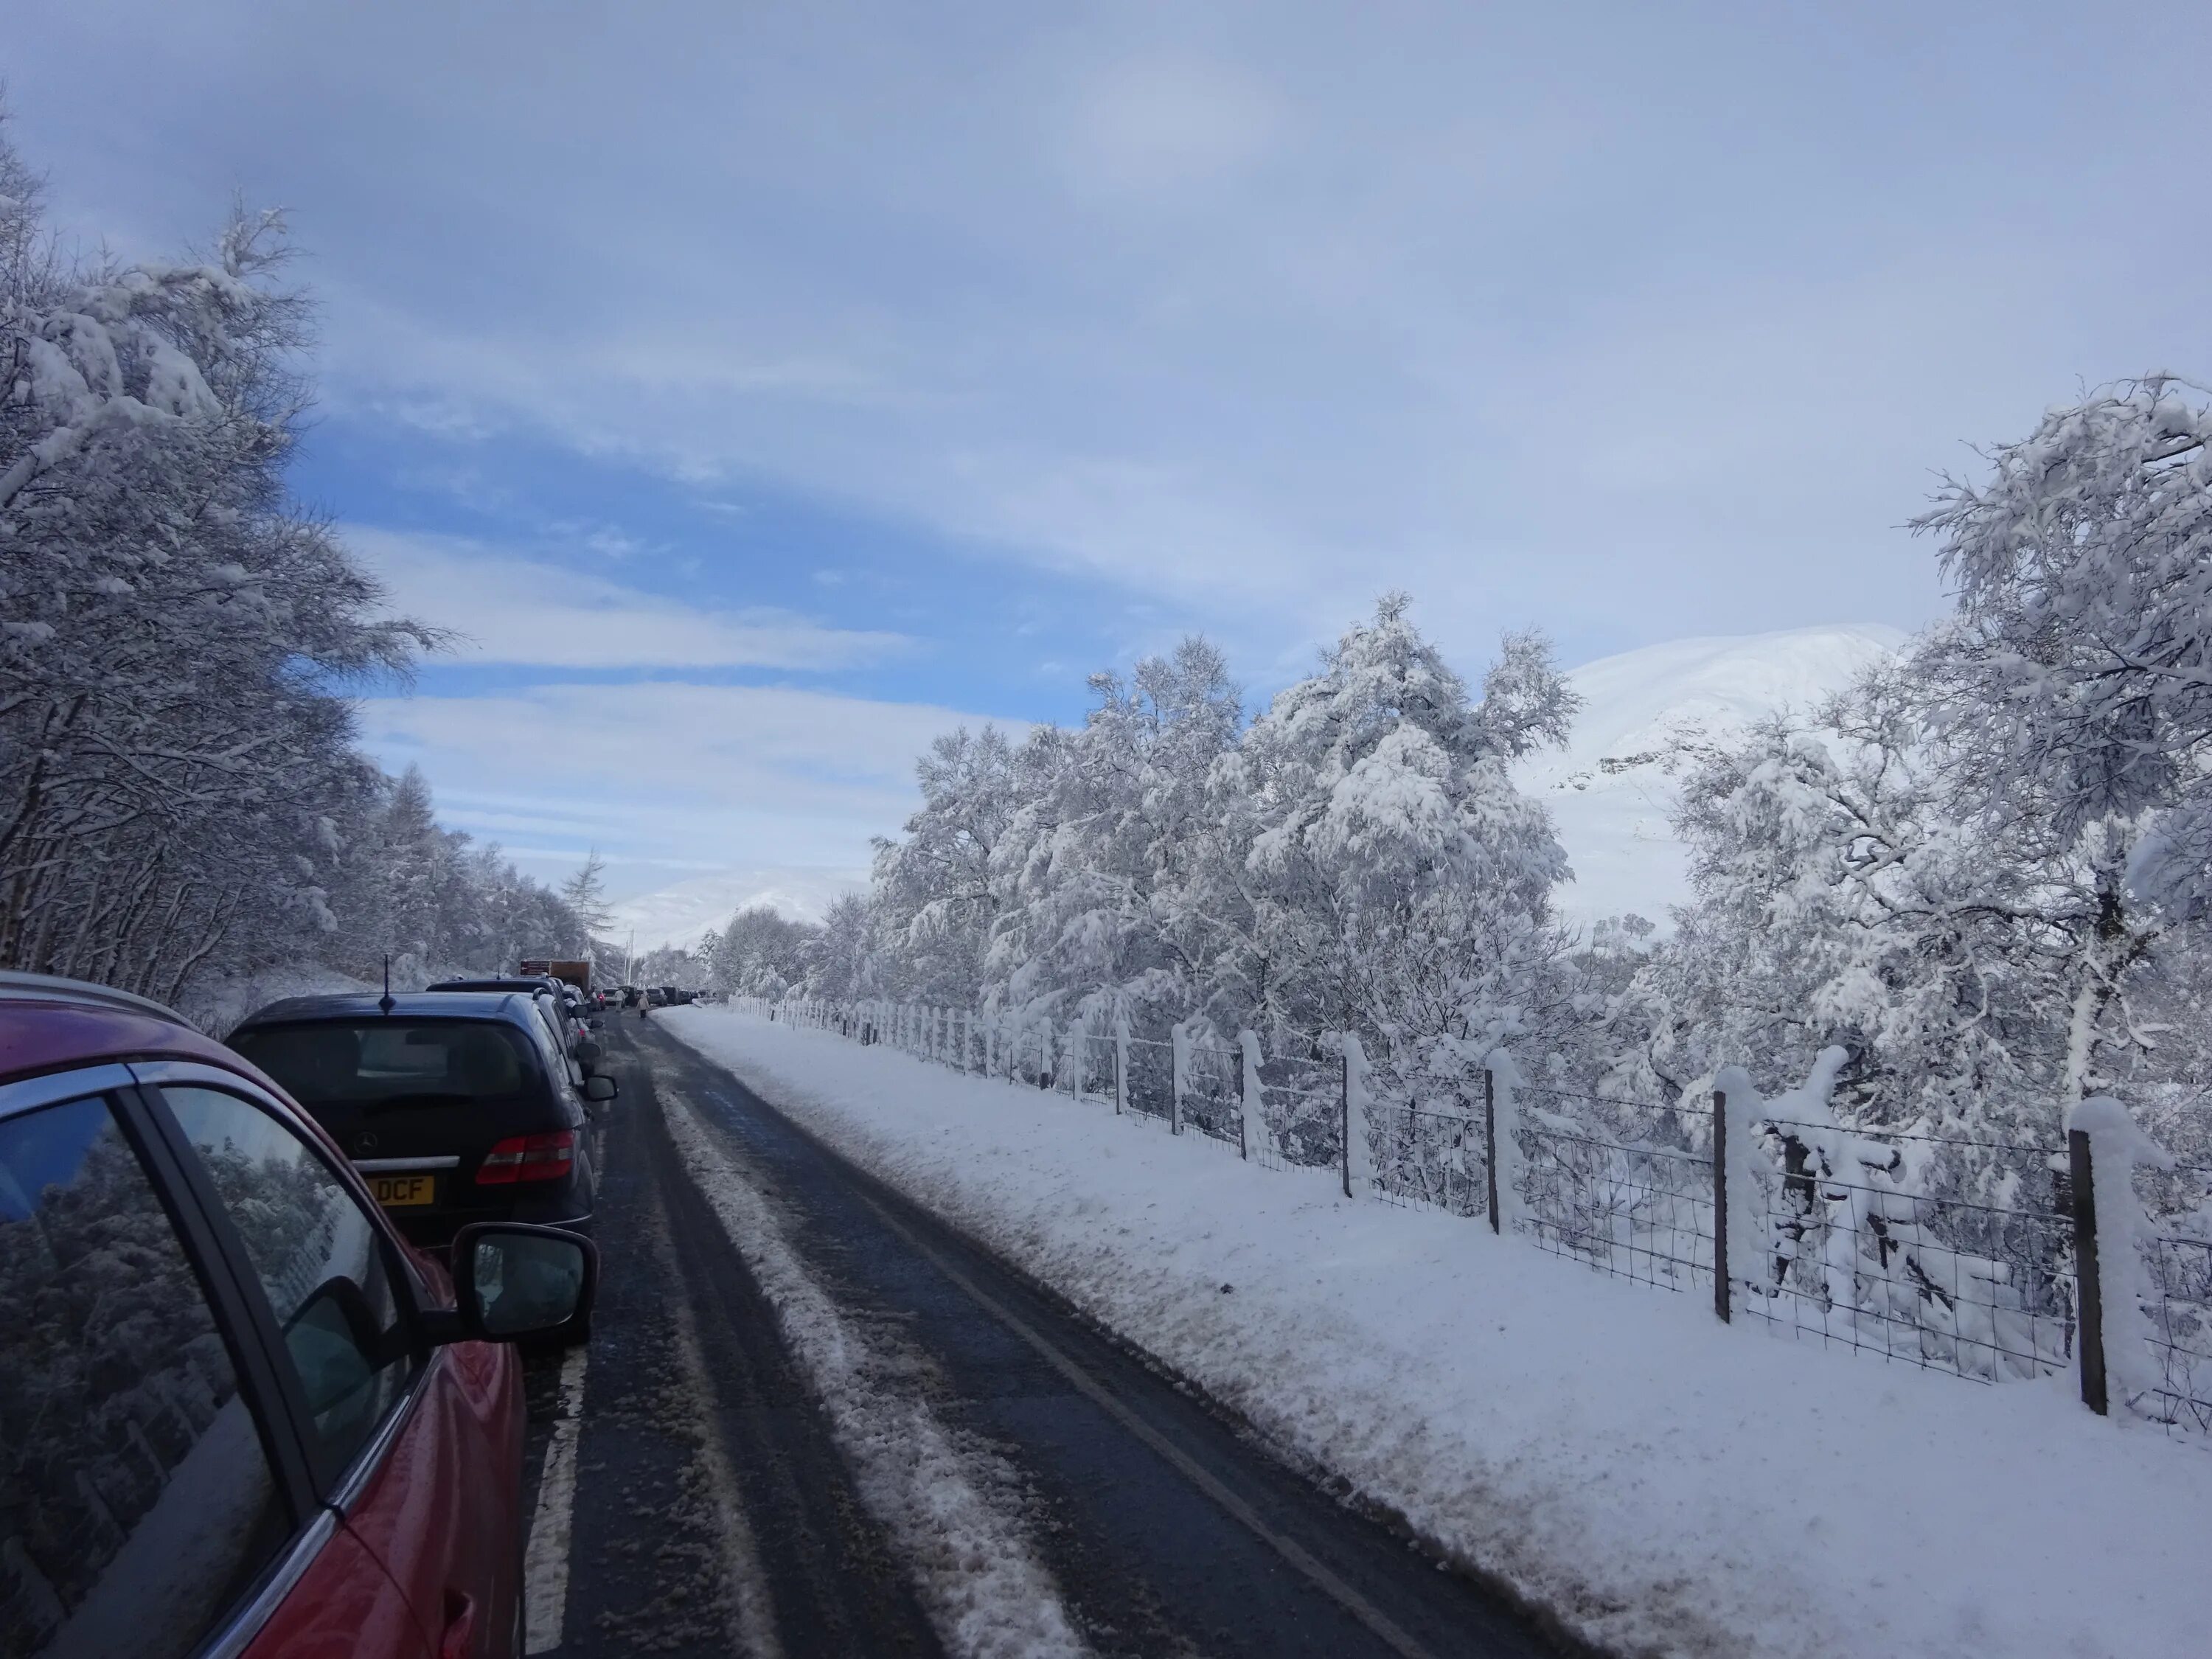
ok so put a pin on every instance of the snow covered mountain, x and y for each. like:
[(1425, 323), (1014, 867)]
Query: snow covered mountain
[(681, 913), (1612, 788)]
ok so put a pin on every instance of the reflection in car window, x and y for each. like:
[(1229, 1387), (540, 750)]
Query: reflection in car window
[(318, 1259), (391, 1062), (553, 1045), (135, 1503)]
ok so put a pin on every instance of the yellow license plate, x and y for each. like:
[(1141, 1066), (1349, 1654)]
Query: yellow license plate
[(397, 1192)]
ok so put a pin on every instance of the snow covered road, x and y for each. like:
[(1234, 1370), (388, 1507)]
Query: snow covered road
[(818, 1422), (1661, 1483)]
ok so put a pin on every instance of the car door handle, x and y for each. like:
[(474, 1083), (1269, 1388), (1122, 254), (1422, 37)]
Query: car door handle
[(460, 1627)]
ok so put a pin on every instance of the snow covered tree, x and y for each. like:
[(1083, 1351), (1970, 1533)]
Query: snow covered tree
[(171, 627), (585, 894), (2072, 691), (1374, 869), (1084, 869), (1981, 871), (1840, 901), (179, 791), (936, 892), (760, 953), (845, 964)]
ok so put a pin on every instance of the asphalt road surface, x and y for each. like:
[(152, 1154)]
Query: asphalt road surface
[(812, 1420)]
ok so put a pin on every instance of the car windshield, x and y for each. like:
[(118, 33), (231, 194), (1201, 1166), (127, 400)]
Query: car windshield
[(372, 1061)]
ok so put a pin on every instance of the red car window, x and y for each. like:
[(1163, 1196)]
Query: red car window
[(135, 1501), (321, 1261)]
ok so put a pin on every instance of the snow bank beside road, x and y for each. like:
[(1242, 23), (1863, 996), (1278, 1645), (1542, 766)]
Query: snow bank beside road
[(1664, 1484)]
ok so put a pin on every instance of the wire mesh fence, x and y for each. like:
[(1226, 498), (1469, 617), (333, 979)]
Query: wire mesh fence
[(1428, 1144), (1955, 1255), (1150, 1089), (1871, 1241), (1212, 1092), (1624, 1187), (2178, 1203), (1096, 1063), (1297, 1122)]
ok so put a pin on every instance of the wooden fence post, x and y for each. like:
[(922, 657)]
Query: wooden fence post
[(2089, 1291), (1723, 1302), (1121, 1064), (1344, 1085), (1178, 1070), (1358, 1170), (1490, 1143)]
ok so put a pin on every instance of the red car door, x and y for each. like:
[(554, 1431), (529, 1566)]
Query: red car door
[(343, 1607), (419, 1452), (442, 1511)]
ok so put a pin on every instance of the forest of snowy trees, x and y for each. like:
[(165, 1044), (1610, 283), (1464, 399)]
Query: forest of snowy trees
[(1982, 873), (181, 799)]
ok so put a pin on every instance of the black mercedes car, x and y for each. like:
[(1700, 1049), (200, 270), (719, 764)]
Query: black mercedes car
[(455, 1107)]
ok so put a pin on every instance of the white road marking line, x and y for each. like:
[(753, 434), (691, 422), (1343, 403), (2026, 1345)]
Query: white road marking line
[(545, 1559), (940, 1501)]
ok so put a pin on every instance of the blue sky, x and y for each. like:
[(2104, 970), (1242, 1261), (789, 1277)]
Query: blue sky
[(765, 389)]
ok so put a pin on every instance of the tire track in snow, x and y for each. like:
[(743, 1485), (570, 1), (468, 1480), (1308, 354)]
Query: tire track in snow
[(752, 1605), (984, 1587)]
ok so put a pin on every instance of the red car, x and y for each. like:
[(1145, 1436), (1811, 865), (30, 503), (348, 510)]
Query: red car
[(238, 1415)]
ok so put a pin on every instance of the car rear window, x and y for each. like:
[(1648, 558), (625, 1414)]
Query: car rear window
[(390, 1061)]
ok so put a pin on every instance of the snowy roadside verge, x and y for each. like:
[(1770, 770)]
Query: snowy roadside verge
[(1661, 1483)]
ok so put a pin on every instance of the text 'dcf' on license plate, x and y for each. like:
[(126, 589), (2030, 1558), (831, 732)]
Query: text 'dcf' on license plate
[(397, 1192)]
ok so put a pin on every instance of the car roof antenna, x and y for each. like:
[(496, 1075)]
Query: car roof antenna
[(384, 1003)]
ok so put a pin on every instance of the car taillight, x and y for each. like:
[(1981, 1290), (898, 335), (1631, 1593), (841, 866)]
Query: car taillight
[(529, 1158)]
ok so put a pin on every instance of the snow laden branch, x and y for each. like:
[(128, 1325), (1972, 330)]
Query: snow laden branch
[(182, 802)]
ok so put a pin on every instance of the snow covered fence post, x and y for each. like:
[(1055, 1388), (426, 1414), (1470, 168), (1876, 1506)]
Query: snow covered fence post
[(1121, 1064), (1249, 1094), (1501, 1099), (1358, 1158), (2105, 1147), (1179, 1074)]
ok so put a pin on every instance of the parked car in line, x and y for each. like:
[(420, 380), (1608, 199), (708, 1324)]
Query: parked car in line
[(240, 1415), (455, 1107)]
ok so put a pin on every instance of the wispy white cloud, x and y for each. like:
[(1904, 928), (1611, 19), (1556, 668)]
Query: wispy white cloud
[(509, 608), (669, 772)]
